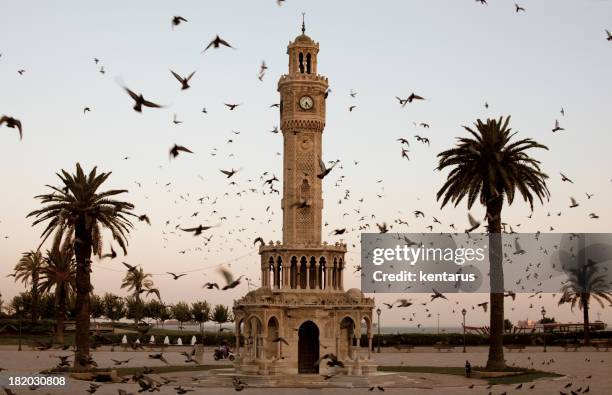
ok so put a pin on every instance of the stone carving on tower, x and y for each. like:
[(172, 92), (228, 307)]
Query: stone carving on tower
[(302, 298)]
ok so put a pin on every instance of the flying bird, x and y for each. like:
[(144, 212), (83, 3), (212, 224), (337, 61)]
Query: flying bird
[(159, 356), (437, 295), (519, 8), (174, 151), (229, 173), (518, 250), (183, 80), (230, 281), (413, 97), (557, 128), (176, 276), (176, 20), (332, 360), (129, 267), (280, 339), (574, 203), (473, 224), (565, 178), (324, 170), (210, 285), (198, 230), (216, 43), (111, 255), (140, 101), (12, 123)]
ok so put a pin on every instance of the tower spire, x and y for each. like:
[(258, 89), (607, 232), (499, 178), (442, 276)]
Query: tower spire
[(303, 24)]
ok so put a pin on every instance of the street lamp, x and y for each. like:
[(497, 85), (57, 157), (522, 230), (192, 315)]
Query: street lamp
[(378, 311), (463, 312), (20, 308), (543, 327)]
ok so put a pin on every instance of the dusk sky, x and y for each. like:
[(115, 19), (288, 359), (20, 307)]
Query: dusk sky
[(457, 54)]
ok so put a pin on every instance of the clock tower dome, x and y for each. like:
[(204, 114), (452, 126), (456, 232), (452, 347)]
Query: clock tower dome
[(302, 119)]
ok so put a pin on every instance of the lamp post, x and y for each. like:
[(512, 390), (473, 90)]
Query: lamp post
[(463, 312), (543, 327), (20, 308), (378, 311), (438, 323)]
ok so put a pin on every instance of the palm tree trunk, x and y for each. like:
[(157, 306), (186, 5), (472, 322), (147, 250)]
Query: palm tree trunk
[(82, 249), (34, 306), (585, 315), (496, 360), (60, 315)]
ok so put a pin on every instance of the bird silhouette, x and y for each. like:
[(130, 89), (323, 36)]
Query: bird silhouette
[(183, 80), (216, 43), (12, 123), (174, 151), (176, 20), (140, 101)]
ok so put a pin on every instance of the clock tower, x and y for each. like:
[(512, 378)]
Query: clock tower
[(302, 119), (302, 297)]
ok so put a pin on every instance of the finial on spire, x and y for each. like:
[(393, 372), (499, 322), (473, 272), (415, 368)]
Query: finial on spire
[(303, 24)]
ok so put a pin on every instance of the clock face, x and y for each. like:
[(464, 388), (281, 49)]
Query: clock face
[(306, 102)]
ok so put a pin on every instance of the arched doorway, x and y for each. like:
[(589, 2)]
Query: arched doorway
[(272, 347), (308, 348)]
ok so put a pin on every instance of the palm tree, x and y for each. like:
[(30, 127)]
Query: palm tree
[(28, 271), (59, 274), (138, 282), (490, 167), (584, 284), (78, 212)]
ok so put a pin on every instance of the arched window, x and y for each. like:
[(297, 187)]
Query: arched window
[(301, 62), (308, 63), (322, 277), (270, 272)]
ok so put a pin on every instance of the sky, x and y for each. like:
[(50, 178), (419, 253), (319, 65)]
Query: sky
[(458, 54)]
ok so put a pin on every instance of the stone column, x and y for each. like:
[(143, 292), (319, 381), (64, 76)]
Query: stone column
[(286, 271), (263, 277), (237, 336), (262, 348), (316, 275), (369, 346), (307, 274)]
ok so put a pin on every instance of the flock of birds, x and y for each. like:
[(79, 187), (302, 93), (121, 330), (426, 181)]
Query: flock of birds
[(267, 186)]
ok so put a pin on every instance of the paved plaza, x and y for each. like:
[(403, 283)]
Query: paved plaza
[(575, 366)]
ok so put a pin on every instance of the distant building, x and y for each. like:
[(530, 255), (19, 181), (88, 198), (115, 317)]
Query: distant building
[(302, 300)]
